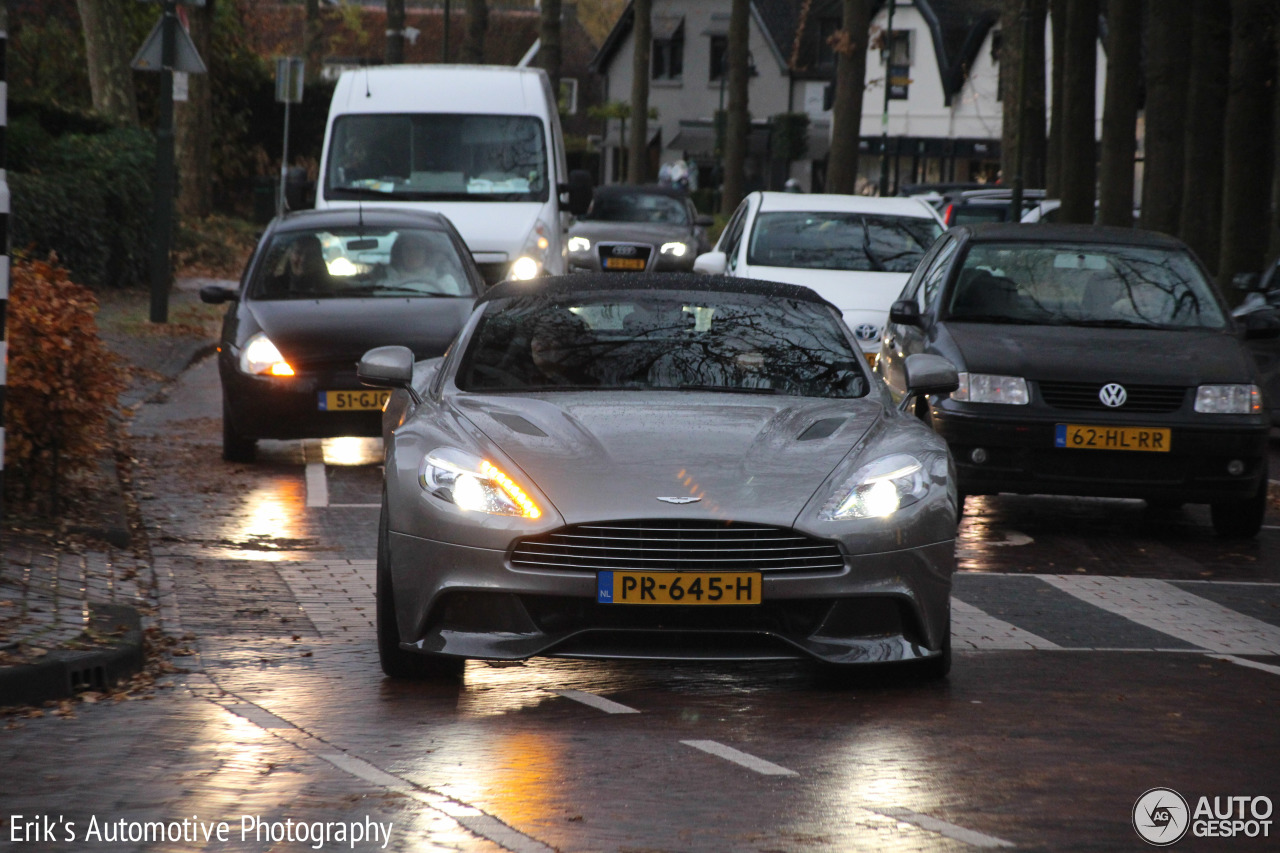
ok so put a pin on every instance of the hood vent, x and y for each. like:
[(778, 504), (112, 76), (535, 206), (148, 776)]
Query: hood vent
[(515, 423), (824, 428)]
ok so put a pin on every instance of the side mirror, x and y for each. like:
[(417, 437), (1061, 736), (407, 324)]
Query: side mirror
[(579, 189), (1261, 325), (704, 221), (386, 367), (905, 312), (216, 294), (299, 193), (930, 374), (711, 263), (1247, 282)]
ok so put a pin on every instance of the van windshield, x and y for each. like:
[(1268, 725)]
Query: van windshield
[(438, 156)]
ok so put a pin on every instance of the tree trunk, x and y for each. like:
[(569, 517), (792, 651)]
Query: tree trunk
[(108, 50), (737, 118), (549, 49), (1053, 148), (1120, 113), (313, 48), (846, 111), (1079, 142), (638, 153), (1023, 112), (477, 25), (1245, 210), (1200, 223), (1168, 76), (193, 125), (395, 32)]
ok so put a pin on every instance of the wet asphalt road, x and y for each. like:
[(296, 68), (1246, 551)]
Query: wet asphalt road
[(1103, 649)]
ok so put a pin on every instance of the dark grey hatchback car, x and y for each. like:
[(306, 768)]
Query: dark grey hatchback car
[(321, 289), (1093, 361)]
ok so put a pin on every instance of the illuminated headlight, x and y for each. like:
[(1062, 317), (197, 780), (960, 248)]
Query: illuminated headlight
[(986, 388), (260, 356), (579, 244), (474, 484), (1228, 399), (524, 268), (878, 489), (677, 248)]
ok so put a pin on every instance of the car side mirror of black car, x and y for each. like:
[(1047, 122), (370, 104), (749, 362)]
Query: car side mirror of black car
[(930, 374), (579, 190), (905, 312), (1261, 325), (1247, 282), (216, 294), (704, 221), (388, 367)]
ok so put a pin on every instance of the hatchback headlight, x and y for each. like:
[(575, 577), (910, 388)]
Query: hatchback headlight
[(260, 356), (1228, 399), (878, 489), (988, 388), (474, 484), (579, 244), (675, 248)]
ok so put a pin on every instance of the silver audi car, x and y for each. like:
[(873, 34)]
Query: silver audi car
[(685, 467)]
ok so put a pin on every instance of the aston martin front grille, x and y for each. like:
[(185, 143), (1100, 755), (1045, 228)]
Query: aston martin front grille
[(1140, 398), (677, 545)]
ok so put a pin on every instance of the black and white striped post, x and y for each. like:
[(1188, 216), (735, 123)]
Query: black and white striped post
[(4, 235)]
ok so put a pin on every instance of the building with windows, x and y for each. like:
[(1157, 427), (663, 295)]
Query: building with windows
[(940, 66)]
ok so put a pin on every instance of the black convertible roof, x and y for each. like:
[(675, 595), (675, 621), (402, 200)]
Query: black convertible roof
[(1014, 232), (590, 283)]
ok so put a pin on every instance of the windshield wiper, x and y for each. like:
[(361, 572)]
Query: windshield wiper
[(1117, 324)]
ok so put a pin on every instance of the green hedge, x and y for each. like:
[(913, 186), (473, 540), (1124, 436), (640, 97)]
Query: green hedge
[(88, 197)]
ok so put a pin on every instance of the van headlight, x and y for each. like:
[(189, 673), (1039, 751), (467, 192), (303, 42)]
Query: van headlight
[(533, 258), (1229, 399), (988, 388)]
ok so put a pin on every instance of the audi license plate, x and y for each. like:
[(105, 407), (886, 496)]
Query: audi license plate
[(624, 263), (1085, 437), (679, 588), (350, 401)]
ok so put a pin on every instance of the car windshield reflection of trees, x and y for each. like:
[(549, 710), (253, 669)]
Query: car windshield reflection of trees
[(637, 207), (1083, 285), (841, 241), (672, 342)]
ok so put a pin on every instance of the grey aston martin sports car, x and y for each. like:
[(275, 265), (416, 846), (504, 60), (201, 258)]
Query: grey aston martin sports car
[(679, 467)]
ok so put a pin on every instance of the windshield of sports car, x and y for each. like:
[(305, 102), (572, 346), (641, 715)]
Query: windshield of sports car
[(841, 241), (361, 262), (637, 207), (438, 157), (657, 340), (1062, 284)]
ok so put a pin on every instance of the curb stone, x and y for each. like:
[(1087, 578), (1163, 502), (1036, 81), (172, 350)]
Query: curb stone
[(64, 672)]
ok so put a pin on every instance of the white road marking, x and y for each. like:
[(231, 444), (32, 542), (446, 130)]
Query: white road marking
[(598, 702), (354, 506), (728, 753), (1170, 610), (1252, 664), (976, 629), (317, 485), (950, 830)]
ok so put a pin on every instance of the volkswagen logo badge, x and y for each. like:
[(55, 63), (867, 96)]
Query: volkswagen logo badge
[(680, 500), (866, 332), (1113, 395), (624, 251)]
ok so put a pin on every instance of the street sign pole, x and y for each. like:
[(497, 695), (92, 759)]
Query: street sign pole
[(289, 79), (884, 116)]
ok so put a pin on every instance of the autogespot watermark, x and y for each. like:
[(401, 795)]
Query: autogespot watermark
[(1162, 816)]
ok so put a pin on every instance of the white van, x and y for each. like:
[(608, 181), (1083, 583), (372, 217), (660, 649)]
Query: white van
[(480, 144)]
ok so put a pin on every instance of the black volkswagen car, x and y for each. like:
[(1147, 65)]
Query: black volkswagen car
[(321, 288), (1093, 361)]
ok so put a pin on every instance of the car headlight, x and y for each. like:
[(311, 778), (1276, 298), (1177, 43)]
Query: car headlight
[(533, 257), (1229, 399), (878, 489), (474, 484), (524, 268), (675, 248), (260, 356), (987, 388), (579, 244)]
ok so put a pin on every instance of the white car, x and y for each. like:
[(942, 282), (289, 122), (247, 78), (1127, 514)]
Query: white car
[(855, 251)]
